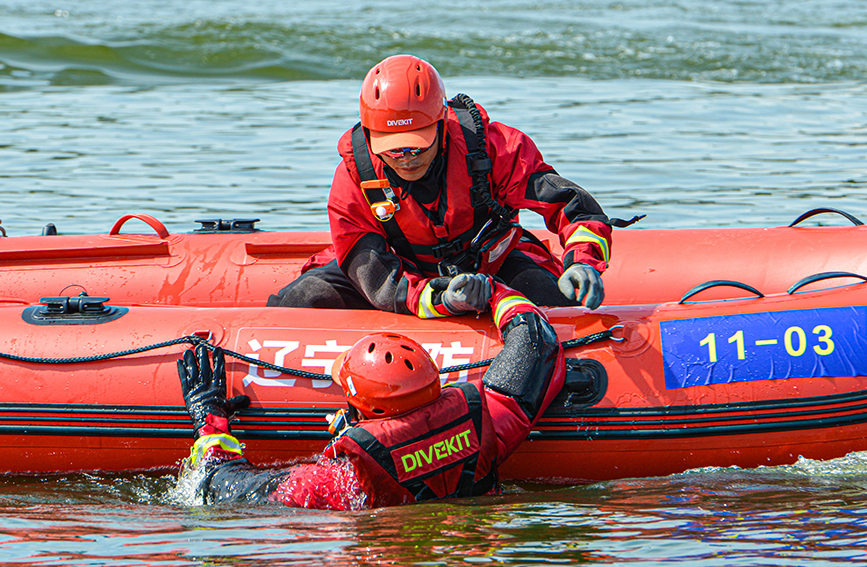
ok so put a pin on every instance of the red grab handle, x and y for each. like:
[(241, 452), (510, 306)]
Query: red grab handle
[(146, 218)]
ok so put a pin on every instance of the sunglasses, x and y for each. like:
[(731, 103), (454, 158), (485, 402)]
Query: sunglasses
[(398, 153)]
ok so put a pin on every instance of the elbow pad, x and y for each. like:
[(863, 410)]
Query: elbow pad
[(524, 367), (377, 273)]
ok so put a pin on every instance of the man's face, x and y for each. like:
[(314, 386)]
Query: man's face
[(411, 168)]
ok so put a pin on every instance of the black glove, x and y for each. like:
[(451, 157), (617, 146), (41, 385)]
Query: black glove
[(205, 390)]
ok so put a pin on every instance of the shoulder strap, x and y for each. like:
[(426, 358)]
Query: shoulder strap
[(466, 486), (366, 172), (362, 157), (478, 164)]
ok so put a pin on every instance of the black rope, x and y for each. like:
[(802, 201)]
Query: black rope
[(192, 339), (195, 340), (581, 341)]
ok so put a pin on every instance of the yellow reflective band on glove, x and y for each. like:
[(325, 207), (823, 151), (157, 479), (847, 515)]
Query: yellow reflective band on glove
[(507, 303), (584, 234), (205, 443), (426, 307)]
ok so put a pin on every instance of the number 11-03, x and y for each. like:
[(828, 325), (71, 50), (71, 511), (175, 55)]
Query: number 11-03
[(794, 339)]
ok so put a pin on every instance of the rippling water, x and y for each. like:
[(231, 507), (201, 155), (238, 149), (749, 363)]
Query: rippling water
[(809, 513), (108, 41), (695, 112)]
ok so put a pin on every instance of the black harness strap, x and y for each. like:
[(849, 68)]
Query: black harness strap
[(373, 447), (362, 158), (479, 164), (467, 483), (396, 238), (476, 168)]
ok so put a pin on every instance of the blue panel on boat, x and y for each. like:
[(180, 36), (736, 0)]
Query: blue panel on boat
[(762, 346)]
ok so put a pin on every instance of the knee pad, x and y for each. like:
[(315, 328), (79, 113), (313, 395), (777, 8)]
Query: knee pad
[(523, 369)]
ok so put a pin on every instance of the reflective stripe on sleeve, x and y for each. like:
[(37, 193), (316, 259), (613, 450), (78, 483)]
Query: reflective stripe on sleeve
[(203, 444), (584, 234), (426, 307), (507, 303)]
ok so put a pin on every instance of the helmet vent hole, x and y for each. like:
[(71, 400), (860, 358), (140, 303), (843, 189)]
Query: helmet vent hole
[(388, 357), (378, 411), (418, 90), (376, 93), (407, 347), (372, 347), (409, 364)]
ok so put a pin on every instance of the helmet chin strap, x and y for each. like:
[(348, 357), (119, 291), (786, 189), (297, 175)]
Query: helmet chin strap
[(354, 415)]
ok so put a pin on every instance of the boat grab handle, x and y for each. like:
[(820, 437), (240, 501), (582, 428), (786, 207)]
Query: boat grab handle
[(822, 276), (144, 217), (716, 283), (815, 212)]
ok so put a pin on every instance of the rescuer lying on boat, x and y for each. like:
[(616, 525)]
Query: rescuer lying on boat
[(431, 187), (406, 440)]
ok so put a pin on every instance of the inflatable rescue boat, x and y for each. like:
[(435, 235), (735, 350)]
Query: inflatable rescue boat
[(715, 347), (231, 263)]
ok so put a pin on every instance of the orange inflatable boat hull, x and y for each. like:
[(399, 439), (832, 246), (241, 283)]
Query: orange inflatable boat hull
[(745, 382), (238, 266)]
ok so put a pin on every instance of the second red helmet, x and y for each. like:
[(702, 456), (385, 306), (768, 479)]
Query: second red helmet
[(385, 374)]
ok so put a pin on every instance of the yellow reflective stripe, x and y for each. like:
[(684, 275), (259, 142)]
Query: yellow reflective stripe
[(224, 441), (584, 234), (507, 303), (426, 307)]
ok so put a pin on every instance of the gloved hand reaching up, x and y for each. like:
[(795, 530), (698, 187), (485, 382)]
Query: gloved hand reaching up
[(581, 281), (205, 391), (468, 292)]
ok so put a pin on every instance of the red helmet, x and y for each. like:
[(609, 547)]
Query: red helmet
[(384, 375), (402, 99)]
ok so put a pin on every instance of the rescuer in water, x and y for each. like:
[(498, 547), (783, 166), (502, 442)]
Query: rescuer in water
[(429, 187), (406, 439)]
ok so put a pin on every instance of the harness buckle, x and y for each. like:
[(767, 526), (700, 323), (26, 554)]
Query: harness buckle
[(446, 249), (446, 268), (477, 164)]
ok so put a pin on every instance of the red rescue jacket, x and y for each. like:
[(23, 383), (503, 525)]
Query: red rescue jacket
[(515, 160), (455, 455)]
